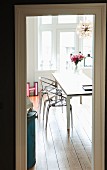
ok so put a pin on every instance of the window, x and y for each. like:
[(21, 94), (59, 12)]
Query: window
[(88, 45), (46, 50), (46, 19), (57, 39), (67, 46), (67, 19)]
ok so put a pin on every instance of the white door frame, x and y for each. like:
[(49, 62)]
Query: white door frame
[(98, 120)]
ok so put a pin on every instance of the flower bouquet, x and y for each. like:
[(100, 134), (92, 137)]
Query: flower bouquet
[(76, 59)]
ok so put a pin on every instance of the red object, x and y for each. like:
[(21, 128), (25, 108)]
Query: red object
[(76, 58), (34, 89)]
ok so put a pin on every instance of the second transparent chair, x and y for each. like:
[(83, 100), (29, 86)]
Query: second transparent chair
[(47, 85)]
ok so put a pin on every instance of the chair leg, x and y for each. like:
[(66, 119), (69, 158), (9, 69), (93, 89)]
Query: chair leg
[(44, 108), (71, 117), (48, 100), (62, 106), (40, 102), (47, 116)]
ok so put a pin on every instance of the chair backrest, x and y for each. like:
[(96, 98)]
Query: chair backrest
[(47, 84), (50, 88), (54, 92)]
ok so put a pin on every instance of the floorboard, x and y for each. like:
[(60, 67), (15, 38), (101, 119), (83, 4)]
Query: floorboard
[(55, 150)]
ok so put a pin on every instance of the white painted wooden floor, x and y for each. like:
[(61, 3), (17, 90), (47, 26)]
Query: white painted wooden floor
[(55, 150)]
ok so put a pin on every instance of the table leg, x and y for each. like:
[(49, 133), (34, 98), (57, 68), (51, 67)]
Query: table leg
[(68, 113), (80, 99)]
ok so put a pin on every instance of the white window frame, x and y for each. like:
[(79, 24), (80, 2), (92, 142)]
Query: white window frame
[(55, 28)]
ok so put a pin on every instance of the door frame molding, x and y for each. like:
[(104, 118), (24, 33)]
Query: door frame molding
[(98, 118)]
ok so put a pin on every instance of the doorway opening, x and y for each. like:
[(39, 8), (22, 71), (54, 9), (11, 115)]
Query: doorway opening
[(99, 10), (50, 42)]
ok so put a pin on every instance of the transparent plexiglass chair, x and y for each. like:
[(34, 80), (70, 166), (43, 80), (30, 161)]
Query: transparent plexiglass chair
[(47, 85), (57, 100)]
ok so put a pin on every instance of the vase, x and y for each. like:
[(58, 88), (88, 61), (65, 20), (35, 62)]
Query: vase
[(76, 69)]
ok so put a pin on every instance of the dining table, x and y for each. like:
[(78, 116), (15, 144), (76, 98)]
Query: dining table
[(73, 84)]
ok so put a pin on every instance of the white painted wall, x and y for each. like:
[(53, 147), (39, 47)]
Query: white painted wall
[(32, 52), (30, 49)]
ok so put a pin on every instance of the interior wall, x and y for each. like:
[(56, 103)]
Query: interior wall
[(31, 48)]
